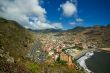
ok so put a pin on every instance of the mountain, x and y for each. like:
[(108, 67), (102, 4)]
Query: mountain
[(14, 37), (96, 35), (99, 35), (14, 44), (47, 30), (77, 29)]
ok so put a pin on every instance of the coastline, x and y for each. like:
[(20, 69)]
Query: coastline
[(81, 61), (106, 49), (82, 57)]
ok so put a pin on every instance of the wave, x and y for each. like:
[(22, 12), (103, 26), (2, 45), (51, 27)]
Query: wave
[(81, 61)]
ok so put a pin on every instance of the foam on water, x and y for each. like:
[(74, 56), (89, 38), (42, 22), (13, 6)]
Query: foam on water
[(81, 61)]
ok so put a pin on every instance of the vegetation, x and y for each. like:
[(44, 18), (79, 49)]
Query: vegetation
[(79, 48), (61, 62), (14, 45), (6, 67), (33, 67), (96, 35), (14, 38)]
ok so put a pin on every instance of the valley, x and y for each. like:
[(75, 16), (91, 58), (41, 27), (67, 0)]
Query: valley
[(26, 51), (54, 36)]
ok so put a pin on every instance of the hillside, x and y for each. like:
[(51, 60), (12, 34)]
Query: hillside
[(97, 36), (47, 30), (14, 38), (15, 44)]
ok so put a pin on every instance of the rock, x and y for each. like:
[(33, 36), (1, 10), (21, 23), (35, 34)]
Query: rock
[(1, 55), (10, 59), (1, 51)]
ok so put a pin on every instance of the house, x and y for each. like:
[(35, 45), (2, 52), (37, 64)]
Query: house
[(63, 56), (67, 58), (58, 50)]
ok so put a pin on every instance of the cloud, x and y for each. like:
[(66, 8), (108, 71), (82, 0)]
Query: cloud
[(72, 23), (40, 25), (57, 25), (28, 13), (79, 20), (37, 24), (68, 8)]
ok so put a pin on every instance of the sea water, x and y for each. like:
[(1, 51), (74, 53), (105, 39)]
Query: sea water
[(99, 62), (95, 62)]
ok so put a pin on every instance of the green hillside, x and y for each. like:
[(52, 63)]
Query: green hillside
[(14, 38)]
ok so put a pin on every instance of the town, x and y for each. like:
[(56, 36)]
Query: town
[(63, 48)]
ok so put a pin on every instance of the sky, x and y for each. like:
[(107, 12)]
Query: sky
[(56, 14)]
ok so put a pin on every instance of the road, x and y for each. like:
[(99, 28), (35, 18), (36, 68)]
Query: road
[(36, 54)]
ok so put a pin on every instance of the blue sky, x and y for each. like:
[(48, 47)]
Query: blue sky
[(93, 12), (57, 14)]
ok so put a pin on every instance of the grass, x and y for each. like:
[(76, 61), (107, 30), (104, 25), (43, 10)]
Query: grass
[(7, 67), (61, 62), (14, 38), (33, 67)]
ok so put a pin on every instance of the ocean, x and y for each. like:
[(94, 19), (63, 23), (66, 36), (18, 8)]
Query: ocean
[(99, 62)]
